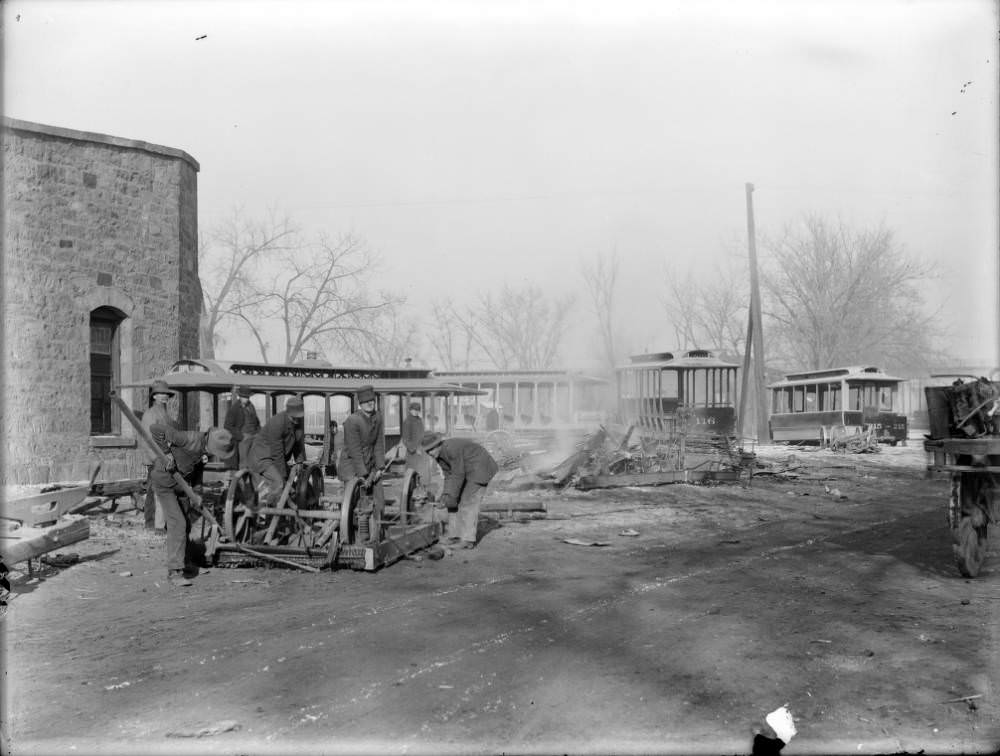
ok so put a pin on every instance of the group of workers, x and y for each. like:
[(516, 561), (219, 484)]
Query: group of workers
[(269, 450)]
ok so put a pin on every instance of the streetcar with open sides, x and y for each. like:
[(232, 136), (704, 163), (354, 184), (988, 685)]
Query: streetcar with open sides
[(306, 527), (667, 394), (817, 406)]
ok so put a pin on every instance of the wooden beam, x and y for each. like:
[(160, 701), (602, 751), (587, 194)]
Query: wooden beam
[(27, 543)]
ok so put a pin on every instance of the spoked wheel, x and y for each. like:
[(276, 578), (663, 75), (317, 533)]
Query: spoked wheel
[(969, 534), (240, 519), (349, 512), (406, 491), (309, 487)]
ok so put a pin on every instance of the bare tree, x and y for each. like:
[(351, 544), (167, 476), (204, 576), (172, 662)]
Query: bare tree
[(316, 295), (390, 339), (600, 276), (450, 336), (681, 304), (228, 257), (841, 296), (519, 328)]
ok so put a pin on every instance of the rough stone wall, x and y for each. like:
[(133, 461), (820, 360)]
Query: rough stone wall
[(89, 221)]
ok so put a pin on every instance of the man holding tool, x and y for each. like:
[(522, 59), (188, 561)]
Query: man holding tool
[(468, 469), (184, 457)]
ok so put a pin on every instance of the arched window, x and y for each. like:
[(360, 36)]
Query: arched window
[(105, 369)]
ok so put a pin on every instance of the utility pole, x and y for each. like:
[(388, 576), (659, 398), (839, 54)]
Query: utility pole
[(755, 344)]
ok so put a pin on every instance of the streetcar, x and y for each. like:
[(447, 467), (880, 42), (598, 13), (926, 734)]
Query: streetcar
[(668, 394), (815, 406)]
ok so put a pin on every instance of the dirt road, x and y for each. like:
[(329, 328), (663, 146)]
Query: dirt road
[(727, 603)]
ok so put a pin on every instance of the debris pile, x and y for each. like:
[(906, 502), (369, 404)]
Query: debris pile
[(863, 442), (606, 459)]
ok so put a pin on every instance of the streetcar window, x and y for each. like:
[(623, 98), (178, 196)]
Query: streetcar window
[(834, 399), (854, 398), (668, 384), (811, 405), (798, 398), (885, 398)]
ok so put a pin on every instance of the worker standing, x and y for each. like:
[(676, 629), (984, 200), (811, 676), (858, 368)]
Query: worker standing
[(468, 469), (363, 452), (242, 422), (411, 436), (158, 413), (281, 439)]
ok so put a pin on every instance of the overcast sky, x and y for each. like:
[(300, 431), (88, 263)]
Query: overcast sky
[(473, 143)]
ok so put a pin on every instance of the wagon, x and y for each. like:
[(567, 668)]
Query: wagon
[(965, 444)]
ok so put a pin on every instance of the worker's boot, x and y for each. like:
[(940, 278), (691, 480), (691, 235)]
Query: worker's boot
[(177, 579)]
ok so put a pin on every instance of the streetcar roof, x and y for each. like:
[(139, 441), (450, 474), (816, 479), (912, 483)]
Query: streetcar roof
[(218, 377), (690, 358), (835, 375)]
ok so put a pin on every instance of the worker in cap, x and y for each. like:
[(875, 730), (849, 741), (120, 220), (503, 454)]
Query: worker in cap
[(468, 469), (363, 453), (242, 421), (158, 413), (184, 453), (281, 439), (411, 435)]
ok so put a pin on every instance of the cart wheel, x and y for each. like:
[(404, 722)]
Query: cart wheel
[(969, 546), (241, 504), (309, 487), (406, 490), (970, 533), (349, 512)]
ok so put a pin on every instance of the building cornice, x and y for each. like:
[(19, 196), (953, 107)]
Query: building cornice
[(14, 124)]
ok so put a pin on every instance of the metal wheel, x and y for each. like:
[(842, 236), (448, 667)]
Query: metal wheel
[(349, 512), (969, 533), (241, 504), (309, 487), (406, 489)]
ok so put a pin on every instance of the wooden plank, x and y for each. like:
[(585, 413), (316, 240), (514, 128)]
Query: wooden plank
[(990, 445), (964, 468), (655, 478), (513, 506), (397, 546), (28, 543), (43, 508)]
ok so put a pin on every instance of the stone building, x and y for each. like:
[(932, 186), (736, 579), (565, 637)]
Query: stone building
[(101, 289)]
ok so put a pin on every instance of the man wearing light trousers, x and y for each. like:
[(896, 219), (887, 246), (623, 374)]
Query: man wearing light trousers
[(468, 469)]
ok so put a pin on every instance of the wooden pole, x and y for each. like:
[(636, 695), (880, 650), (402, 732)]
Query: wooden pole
[(760, 393), (754, 391)]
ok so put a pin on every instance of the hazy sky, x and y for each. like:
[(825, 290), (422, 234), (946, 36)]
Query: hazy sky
[(473, 143)]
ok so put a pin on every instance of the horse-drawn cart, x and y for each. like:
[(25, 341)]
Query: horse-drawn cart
[(965, 443)]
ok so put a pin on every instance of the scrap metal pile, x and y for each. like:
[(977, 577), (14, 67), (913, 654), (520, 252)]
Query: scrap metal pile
[(975, 408)]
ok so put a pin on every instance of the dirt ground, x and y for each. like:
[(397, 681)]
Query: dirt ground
[(833, 592)]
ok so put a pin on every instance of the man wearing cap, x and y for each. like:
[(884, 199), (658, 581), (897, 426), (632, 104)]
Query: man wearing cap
[(242, 422), (411, 436), (468, 469), (186, 453), (157, 413), (363, 453), (282, 438)]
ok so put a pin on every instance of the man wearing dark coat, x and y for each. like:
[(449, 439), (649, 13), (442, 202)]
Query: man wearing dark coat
[(411, 436), (242, 422), (363, 453), (185, 453), (468, 469), (282, 438)]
